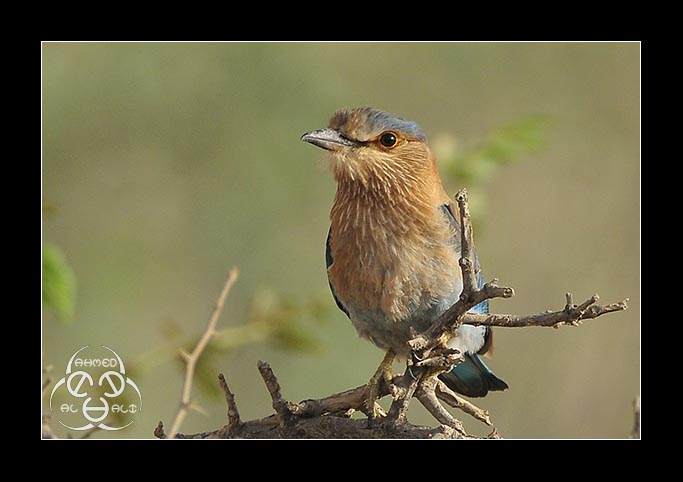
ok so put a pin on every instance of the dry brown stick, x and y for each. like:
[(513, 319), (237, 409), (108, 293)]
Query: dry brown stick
[(317, 419), (427, 396), (280, 405), (405, 388), (568, 316), (469, 277), (192, 358), (159, 430), (233, 413), (471, 294), (352, 399), (454, 400), (444, 327)]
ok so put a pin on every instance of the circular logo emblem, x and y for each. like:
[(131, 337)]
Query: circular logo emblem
[(95, 392)]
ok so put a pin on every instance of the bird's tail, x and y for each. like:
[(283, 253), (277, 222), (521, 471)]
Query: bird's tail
[(472, 378)]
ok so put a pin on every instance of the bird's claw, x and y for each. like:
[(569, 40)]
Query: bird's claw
[(441, 359), (383, 374)]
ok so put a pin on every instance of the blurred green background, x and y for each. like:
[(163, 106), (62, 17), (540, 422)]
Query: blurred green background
[(166, 164)]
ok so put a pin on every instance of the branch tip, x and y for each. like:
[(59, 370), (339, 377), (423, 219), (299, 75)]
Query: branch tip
[(461, 196), (159, 430), (280, 405)]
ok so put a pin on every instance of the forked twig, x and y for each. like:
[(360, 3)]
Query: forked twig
[(192, 358)]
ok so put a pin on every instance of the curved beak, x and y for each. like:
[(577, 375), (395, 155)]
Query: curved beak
[(328, 139)]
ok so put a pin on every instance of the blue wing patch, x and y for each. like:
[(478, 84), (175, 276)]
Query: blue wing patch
[(328, 262)]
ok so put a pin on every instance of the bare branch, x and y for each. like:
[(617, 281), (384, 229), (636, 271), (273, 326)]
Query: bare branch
[(570, 315), (405, 388), (323, 418), (427, 396), (279, 404), (192, 358), (469, 277), (330, 417), (233, 413), (159, 430), (341, 402), (456, 401)]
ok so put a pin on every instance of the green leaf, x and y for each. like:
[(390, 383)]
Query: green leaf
[(477, 164), (59, 284)]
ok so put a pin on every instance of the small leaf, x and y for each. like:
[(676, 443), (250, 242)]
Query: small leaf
[(59, 284)]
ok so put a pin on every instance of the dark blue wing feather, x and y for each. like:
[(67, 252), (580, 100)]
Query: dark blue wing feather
[(328, 262)]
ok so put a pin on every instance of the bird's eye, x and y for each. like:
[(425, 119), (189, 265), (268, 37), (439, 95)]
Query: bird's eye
[(388, 139)]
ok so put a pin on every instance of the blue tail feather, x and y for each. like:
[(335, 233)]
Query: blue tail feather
[(472, 378)]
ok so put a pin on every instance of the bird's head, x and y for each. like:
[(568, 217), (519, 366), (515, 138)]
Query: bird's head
[(372, 147)]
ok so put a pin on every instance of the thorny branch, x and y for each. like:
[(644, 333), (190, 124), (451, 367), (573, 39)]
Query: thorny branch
[(192, 358), (330, 417)]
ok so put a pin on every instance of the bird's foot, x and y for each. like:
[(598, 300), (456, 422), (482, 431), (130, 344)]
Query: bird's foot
[(439, 360), (383, 374)]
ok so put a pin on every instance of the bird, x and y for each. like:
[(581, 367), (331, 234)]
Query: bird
[(394, 242)]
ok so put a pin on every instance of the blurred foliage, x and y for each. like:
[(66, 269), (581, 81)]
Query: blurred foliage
[(504, 145), (284, 323), (286, 319), (59, 284), (474, 165)]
